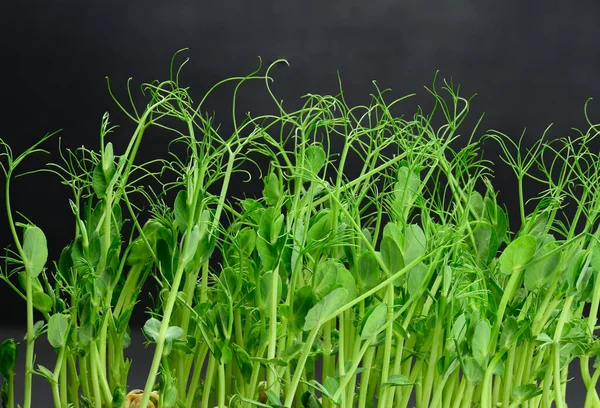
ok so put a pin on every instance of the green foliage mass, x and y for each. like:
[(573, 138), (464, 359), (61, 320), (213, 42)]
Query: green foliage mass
[(401, 282)]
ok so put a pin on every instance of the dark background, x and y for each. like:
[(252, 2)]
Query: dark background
[(531, 64)]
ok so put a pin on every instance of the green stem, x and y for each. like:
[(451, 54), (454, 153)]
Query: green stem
[(30, 341), (56, 397), (507, 378), (592, 394), (97, 397), (564, 316), (10, 393), (221, 394), (431, 365), (389, 332), (468, 398), (461, 392), (210, 372), (272, 382), (289, 399), (195, 381), (63, 382), (328, 368), (73, 382), (349, 375), (100, 377)]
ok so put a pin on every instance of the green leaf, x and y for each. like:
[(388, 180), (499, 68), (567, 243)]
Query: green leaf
[(330, 275), (544, 339), (537, 274), (38, 329), (247, 240), (174, 333), (327, 306), (292, 351), (320, 226), (273, 399), (510, 328), (118, 396), (152, 328), (314, 158), (459, 330), (481, 341), (472, 370), (181, 211), (526, 392), (517, 254), (42, 302), (58, 330), (244, 363), (416, 275), (108, 158), (328, 388), (225, 354), (415, 243), (94, 249), (405, 190), (191, 245), (309, 400), (8, 358), (391, 255), (167, 390), (99, 183), (45, 373), (35, 282), (398, 380), (476, 205), (35, 250), (497, 218), (368, 272), (486, 241), (373, 320), (595, 262), (273, 189), (304, 300), (332, 385), (269, 229)]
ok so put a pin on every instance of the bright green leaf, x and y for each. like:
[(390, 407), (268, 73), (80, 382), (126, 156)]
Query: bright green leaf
[(368, 271), (273, 189), (58, 330), (416, 275), (181, 210), (405, 190), (330, 275), (472, 370), (537, 274), (35, 250), (373, 320), (391, 255), (517, 254), (398, 380), (326, 307), (481, 341), (314, 158), (152, 328), (415, 243), (174, 333), (525, 392), (8, 357)]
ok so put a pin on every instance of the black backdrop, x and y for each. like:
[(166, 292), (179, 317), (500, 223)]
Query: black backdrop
[(531, 64)]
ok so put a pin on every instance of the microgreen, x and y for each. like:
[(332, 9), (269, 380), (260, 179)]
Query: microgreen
[(375, 268)]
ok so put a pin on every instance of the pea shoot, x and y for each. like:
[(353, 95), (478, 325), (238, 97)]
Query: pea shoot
[(375, 268)]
